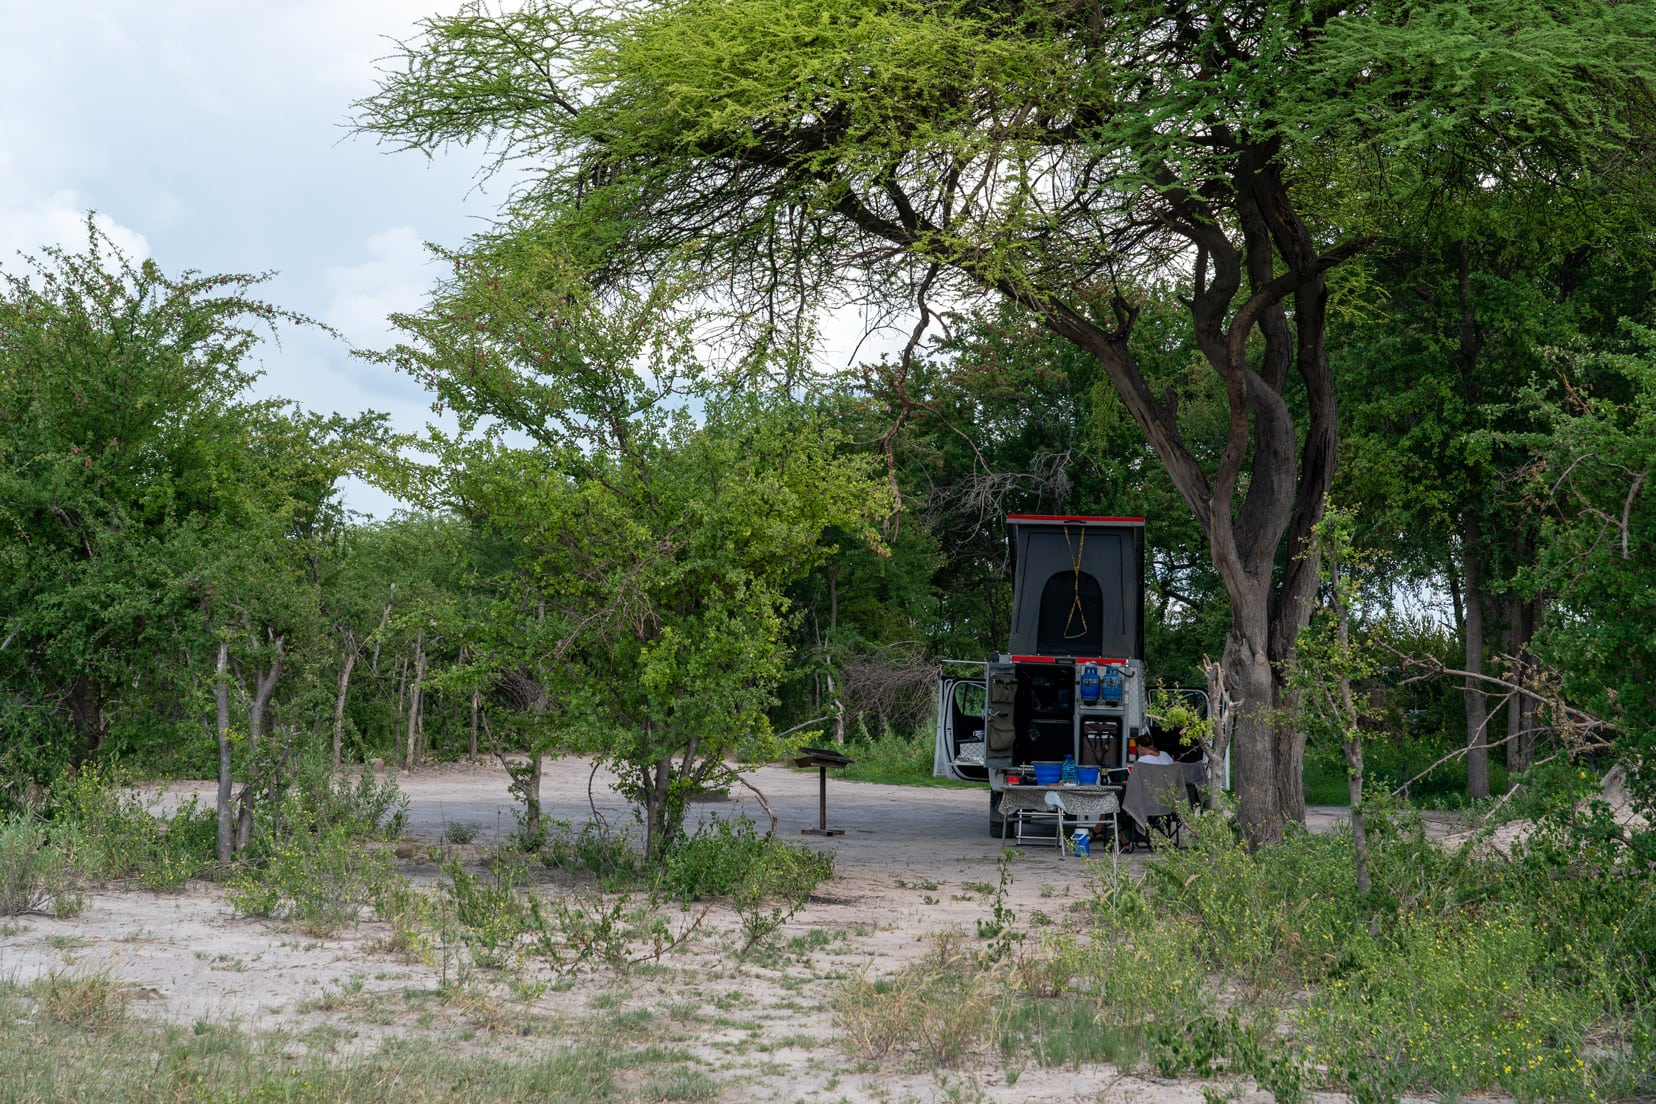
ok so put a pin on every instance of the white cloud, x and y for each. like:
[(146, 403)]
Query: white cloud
[(394, 278), (59, 219)]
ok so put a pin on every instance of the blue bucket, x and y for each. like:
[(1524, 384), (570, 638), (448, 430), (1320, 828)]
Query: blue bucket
[(1046, 774), (1087, 776)]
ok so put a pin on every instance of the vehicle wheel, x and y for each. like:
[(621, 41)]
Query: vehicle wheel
[(997, 824)]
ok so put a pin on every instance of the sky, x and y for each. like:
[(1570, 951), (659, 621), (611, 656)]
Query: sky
[(215, 136)]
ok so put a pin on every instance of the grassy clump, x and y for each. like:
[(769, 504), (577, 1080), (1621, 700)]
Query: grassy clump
[(81, 1001), (938, 1011)]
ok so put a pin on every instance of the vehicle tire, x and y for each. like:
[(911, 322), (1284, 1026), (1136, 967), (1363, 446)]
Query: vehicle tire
[(997, 824)]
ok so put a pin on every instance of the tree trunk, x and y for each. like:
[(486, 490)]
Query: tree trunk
[(399, 716), (385, 617), (833, 624), (413, 756), (87, 715), (1520, 744), (474, 706), (264, 685), (658, 785), (221, 703), (1477, 703), (339, 707), (1248, 675)]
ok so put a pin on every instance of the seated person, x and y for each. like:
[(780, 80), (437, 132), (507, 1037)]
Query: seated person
[(1150, 754)]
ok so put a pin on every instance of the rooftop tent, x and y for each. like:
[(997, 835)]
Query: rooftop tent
[(1077, 586)]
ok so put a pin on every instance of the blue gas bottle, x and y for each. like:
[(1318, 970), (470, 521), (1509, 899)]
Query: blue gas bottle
[(1066, 773), (1090, 683), (1111, 686)]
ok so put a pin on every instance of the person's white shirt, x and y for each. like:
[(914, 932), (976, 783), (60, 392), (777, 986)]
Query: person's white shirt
[(1157, 756)]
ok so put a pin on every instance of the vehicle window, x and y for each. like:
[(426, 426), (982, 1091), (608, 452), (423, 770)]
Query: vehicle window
[(969, 699)]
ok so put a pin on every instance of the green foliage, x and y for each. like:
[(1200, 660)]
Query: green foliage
[(642, 557), (1462, 971), (310, 863), (34, 873), (1457, 1003), (730, 858), (1594, 485), (131, 470), (108, 831), (890, 757)]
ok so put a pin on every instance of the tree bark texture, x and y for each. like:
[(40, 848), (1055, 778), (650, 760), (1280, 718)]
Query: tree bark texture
[(221, 704), (414, 749), (339, 707), (1477, 702)]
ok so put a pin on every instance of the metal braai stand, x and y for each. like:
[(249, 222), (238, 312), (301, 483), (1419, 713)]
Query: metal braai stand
[(822, 759)]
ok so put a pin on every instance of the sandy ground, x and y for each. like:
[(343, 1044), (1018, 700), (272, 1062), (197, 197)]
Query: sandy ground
[(912, 862)]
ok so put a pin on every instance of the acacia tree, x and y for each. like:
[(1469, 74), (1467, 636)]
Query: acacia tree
[(645, 554), (1054, 153)]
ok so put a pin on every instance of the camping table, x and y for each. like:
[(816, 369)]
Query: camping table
[(1082, 804)]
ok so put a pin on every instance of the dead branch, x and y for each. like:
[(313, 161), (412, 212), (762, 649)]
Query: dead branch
[(763, 804), (1580, 731)]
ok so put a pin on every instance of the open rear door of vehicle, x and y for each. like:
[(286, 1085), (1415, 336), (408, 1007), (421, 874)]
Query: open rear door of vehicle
[(960, 724)]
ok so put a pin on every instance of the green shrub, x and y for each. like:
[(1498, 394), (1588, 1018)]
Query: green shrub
[(109, 832), (1456, 1003), (611, 858), (308, 864), (35, 874), (729, 857)]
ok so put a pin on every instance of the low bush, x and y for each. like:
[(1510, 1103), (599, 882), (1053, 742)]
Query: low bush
[(35, 874), (729, 857), (108, 831), (309, 862)]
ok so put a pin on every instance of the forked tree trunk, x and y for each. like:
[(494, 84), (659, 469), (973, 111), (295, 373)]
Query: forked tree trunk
[(264, 686)]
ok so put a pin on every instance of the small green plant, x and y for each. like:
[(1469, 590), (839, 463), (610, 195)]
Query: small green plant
[(85, 1001), (35, 874), (459, 831), (999, 928)]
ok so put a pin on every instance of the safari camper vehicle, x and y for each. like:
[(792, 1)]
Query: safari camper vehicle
[(1073, 682)]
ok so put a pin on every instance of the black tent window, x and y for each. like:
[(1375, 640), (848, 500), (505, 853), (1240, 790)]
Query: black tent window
[(1072, 615)]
